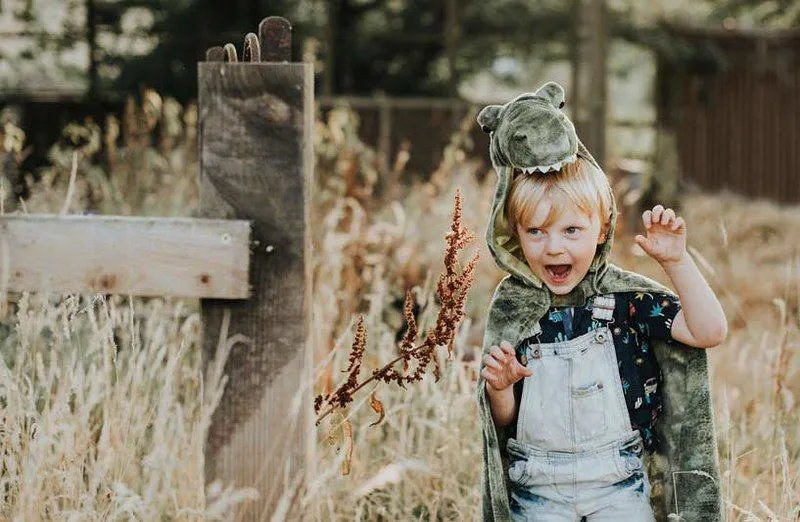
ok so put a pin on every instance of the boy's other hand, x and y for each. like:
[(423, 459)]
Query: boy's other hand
[(501, 368), (666, 235)]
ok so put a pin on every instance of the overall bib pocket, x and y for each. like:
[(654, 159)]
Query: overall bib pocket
[(589, 411)]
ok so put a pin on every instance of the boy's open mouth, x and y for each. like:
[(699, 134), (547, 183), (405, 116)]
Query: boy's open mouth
[(558, 273)]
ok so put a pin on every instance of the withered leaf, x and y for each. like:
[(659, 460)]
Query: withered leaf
[(347, 430), (335, 436), (377, 407)]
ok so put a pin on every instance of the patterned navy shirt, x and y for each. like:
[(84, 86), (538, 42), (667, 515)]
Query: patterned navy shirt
[(638, 318)]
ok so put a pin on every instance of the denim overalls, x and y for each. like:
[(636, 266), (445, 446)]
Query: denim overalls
[(576, 454)]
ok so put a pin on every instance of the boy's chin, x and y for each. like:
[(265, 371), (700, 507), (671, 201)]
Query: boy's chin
[(561, 290)]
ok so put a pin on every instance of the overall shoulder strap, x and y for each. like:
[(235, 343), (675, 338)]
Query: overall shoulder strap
[(536, 330)]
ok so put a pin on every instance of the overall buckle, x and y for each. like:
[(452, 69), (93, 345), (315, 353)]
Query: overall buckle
[(603, 307)]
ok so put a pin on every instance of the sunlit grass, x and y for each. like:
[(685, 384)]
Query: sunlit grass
[(105, 406)]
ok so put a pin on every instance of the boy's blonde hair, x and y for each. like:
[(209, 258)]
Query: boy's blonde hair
[(579, 183)]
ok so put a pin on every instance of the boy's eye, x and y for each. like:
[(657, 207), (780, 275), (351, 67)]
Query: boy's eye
[(534, 231), (573, 230)]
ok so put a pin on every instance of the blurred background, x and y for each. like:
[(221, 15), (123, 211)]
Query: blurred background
[(689, 103), (632, 70)]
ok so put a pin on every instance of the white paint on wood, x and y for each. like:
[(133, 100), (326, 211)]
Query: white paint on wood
[(183, 257)]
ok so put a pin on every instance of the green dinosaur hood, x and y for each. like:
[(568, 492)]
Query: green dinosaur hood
[(531, 134)]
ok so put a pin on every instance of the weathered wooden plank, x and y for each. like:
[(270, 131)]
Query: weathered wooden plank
[(126, 255), (257, 164), (252, 48), (215, 54), (276, 39), (230, 53)]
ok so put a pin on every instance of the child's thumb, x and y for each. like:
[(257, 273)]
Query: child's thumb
[(527, 372), (642, 242)]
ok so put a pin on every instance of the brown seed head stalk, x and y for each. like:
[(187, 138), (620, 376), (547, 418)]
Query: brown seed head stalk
[(452, 289)]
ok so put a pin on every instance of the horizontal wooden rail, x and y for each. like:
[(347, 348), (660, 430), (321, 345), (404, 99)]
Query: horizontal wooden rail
[(185, 257), (370, 102)]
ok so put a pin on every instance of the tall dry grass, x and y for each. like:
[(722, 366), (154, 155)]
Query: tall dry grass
[(119, 403), (104, 402), (104, 412), (749, 252)]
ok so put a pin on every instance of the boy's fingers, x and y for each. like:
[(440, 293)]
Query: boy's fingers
[(678, 224), (498, 354), (657, 211), (508, 349), (642, 242), (527, 372), (490, 361), (647, 217), (492, 379), (668, 216)]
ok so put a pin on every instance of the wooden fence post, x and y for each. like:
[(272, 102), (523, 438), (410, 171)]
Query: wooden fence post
[(589, 75), (255, 125)]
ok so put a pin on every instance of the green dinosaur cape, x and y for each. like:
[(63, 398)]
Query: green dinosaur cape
[(532, 134)]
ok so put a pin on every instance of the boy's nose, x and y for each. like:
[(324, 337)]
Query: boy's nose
[(554, 245)]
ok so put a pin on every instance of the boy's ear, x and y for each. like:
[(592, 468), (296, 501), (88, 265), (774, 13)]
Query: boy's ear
[(603, 233), (489, 118)]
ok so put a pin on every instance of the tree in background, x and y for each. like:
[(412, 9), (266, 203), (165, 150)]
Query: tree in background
[(184, 29), (41, 52), (424, 48), (400, 47)]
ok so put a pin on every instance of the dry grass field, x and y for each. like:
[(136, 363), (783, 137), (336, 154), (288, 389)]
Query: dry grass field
[(105, 406)]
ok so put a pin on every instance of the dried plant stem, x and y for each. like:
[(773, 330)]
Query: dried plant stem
[(452, 288), (71, 187), (781, 368), (376, 374)]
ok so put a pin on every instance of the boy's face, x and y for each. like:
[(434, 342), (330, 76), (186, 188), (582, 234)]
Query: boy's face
[(560, 253)]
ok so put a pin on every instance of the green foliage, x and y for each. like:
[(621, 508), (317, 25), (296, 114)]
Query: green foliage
[(400, 47)]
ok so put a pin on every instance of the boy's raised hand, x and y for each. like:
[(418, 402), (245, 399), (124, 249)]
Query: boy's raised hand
[(501, 367), (666, 235)]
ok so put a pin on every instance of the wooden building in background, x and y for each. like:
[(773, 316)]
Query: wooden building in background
[(738, 127)]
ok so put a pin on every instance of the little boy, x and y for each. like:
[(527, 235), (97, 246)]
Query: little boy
[(569, 368)]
